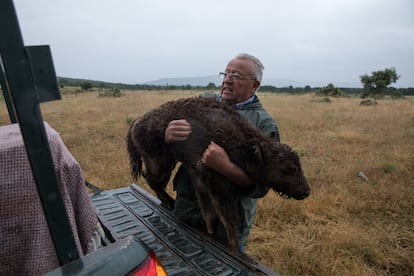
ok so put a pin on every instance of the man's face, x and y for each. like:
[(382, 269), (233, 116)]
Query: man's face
[(234, 91)]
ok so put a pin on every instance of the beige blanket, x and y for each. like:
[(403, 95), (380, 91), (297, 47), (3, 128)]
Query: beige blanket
[(26, 247)]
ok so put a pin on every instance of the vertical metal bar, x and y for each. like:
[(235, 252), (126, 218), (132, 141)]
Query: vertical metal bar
[(7, 95), (26, 102)]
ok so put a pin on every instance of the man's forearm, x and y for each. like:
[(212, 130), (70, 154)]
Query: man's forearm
[(216, 158), (236, 175)]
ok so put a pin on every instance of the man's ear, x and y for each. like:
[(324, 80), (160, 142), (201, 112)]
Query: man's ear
[(256, 85)]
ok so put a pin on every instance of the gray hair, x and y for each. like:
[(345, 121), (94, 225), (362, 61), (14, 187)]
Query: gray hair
[(258, 66)]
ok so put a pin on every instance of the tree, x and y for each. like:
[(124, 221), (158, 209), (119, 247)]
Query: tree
[(308, 88), (86, 85), (378, 81), (211, 86)]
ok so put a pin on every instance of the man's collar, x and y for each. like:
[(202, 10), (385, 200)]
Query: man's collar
[(240, 105)]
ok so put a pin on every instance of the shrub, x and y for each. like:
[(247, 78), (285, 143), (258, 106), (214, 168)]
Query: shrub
[(86, 85), (113, 92), (367, 102), (330, 90), (397, 95), (129, 120), (388, 168), (322, 99)]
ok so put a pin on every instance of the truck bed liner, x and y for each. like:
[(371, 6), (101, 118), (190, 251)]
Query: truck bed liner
[(181, 249)]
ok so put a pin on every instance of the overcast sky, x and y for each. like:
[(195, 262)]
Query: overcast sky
[(309, 42)]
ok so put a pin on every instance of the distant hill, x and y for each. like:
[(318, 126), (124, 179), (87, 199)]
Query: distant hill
[(193, 81)]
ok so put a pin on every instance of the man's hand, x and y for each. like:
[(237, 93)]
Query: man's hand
[(177, 130), (216, 158)]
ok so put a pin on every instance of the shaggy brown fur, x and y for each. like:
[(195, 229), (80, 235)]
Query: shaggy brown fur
[(269, 163)]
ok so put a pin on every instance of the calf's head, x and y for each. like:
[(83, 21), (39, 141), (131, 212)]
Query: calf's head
[(282, 172)]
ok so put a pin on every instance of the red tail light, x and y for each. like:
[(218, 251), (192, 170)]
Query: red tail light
[(150, 267)]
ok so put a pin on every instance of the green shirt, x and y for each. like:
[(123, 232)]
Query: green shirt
[(186, 205)]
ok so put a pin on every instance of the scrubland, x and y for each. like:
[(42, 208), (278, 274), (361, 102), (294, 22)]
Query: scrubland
[(350, 225)]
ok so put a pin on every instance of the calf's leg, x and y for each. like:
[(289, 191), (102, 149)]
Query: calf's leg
[(206, 208), (225, 205), (157, 176), (215, 195)]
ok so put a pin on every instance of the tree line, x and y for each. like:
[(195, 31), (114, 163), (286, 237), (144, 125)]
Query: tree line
[(375, 85)]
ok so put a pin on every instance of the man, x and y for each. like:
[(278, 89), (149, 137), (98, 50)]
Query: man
[(241, 79)]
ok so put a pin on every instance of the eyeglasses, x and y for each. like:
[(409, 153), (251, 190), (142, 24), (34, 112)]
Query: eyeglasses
[(234, 76)]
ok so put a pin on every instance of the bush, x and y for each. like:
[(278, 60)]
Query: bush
[(326, 100), (129, 120), (321, 99), (367, 102), (86, 85), (113, 92), (331, 91), (397, 95)]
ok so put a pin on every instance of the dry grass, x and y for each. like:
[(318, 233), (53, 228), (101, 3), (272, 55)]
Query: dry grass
[(348, 226)]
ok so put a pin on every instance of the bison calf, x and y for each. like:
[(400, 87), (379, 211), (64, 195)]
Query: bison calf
[(267, 162)]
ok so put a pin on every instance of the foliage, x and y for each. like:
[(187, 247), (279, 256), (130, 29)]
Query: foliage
[(286, 89), (322, 99), (211, 85), (71, 90), (70, 82), (397, 95), (112, 92), (86, 85), (378, 81), (368, 102), (326, 100), (209, 94), (129, 120), (331, 91)]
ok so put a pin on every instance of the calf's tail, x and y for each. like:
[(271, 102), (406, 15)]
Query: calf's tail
[(133, 153)]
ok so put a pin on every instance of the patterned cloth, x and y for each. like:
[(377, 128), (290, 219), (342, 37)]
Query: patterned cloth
[(26, 247)]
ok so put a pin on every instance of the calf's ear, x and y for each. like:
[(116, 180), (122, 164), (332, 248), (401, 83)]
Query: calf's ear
[(257, 153)]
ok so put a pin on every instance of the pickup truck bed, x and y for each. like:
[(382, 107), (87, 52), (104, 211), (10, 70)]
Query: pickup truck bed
[(181, 249)]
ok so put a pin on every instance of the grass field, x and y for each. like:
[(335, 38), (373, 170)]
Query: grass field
[(348, 226)]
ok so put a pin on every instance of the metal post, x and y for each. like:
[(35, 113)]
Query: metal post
[(25, 99), (6, 95)]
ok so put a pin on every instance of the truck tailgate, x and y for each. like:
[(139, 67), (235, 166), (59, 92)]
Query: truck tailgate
[(181, 249)]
